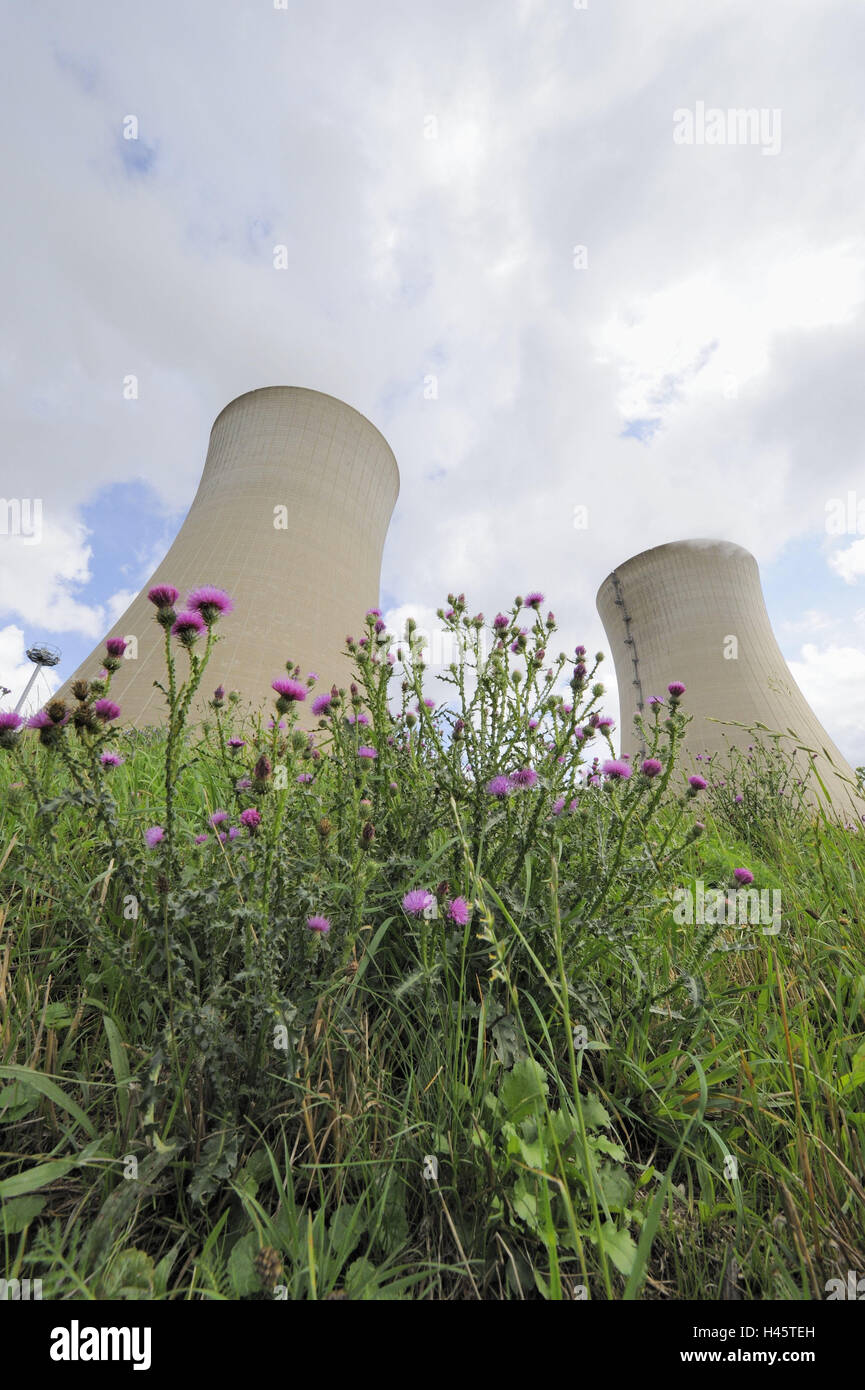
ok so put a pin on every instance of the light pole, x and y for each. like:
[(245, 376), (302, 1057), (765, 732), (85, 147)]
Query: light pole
[(41, 655)]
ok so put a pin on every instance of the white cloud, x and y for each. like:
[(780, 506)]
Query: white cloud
[(832, 679), (849, 563)]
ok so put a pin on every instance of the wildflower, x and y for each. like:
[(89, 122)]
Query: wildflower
[(617, 769), (458, 911), (373, 613), (368, 753), (10, 723), (524, 777), (321, 704), (654, 700), (558, 806), (200, 839), (417, 901), (106, 710), (362, 719), (697, 784), (319, 924), (163, 595), (393, 786), (233, 832), (743, 877), (235, 744), (305, 777), (251, 818), (218, 817), (242, 784), (500, 622), (219, 693), (153, 836), (110, 760), (288, 691), (498, 786), (273, 724), (579, 652), (188, 627), (533, 724), (210, 603), (676, 690), (534, 599), (606, 723), (651, 767), (115, 646), (738, 799)]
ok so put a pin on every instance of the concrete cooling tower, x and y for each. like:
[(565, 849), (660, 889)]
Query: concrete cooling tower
[(290, 519), (693, 611)]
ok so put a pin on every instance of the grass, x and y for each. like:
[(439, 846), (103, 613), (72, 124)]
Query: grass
[(569, 1094)]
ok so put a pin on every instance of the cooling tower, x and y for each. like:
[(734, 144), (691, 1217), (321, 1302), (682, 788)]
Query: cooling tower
[(693, 611), (290, 519)]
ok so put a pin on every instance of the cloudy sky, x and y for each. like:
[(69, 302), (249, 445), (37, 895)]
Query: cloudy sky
[(502, 246)]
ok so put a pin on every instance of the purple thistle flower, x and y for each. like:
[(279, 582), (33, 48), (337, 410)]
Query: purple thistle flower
[(579, 652), (42, 720), (110, 760), (362, 719), (305, 777), (153, 836), (320, 704), (242, 784), (210, 603), (651, 767), (617, 768), (367, 752), (373, 613), (116, 646), (676, 690), (533, 724), (319, 924), (743, 876), (738, 799), (288, 689), (606, 722), (200, 839), (236, 743), (558, 806), (188, 627), (654, 700), (573, 805), (273, 724), (251, 818), (698, 783), (218, 817), (534, 599), (498, 786), (458, 911), (233, 832), (524, 777), (163, 595), (10, 721), (417, 901), (500, 622), (106, 710)]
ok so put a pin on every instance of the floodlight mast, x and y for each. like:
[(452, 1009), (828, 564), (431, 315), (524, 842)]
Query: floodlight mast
[(41, 655)]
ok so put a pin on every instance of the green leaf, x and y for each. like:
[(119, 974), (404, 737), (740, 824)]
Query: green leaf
[(346, 1228), (17, 1101), (120, 1063), (42, 1174), (241, 1266), (523, 1090), (619, 1246), (49, 1089), (15, 1216)]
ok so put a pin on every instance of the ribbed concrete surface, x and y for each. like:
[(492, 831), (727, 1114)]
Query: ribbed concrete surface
[(297, 591), (668, 614)]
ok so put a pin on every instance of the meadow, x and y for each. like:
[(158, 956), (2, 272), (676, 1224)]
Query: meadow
[(370, 997)]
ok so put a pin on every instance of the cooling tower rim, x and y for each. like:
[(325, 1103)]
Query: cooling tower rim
[(323, 395), (725, 549)]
